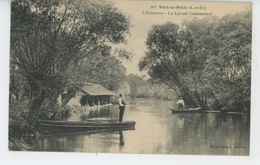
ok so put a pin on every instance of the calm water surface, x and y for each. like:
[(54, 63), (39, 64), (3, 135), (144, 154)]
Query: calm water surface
[(158, 131)]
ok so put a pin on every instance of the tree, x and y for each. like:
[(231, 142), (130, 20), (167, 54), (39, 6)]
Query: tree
[(104, 68), (136, 84), (203, 43), (229, 69), (203, 60), (49, 38), (169, 58), (107, 71)]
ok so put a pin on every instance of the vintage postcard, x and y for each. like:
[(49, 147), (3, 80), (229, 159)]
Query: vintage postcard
[(130, 77)]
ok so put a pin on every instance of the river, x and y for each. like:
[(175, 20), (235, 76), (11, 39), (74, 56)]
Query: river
[(158, 131)]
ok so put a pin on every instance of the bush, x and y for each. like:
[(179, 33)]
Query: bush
[(18, 145), (55, 112), (18, 127)]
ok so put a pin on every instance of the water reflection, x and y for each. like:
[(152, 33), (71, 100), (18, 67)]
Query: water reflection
[(209, 134), (158, 131), (121, 138), (95, 113)]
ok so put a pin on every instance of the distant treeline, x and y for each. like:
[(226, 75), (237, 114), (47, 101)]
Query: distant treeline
[(142, 88)]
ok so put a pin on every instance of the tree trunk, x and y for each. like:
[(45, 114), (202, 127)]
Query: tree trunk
[(188, 97), (200, 100), (34, 108), (66, 98)]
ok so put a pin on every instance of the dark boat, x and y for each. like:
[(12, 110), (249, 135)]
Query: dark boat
[(69, 126), (190, 110), (199, 110)]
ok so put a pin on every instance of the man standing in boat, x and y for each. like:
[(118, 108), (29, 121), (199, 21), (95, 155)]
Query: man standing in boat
[(180, 103), (121, 107)]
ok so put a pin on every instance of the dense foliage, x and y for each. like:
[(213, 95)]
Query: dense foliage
[(206, 61)]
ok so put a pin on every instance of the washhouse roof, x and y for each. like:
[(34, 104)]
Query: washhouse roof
[(97, 90)]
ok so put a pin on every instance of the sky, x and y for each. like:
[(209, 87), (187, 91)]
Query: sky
[(142, 23)]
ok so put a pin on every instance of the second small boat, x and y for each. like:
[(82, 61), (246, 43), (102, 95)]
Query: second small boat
[(190, 110)]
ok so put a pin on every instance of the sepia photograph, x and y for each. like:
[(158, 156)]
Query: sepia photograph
[(130, 77)]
